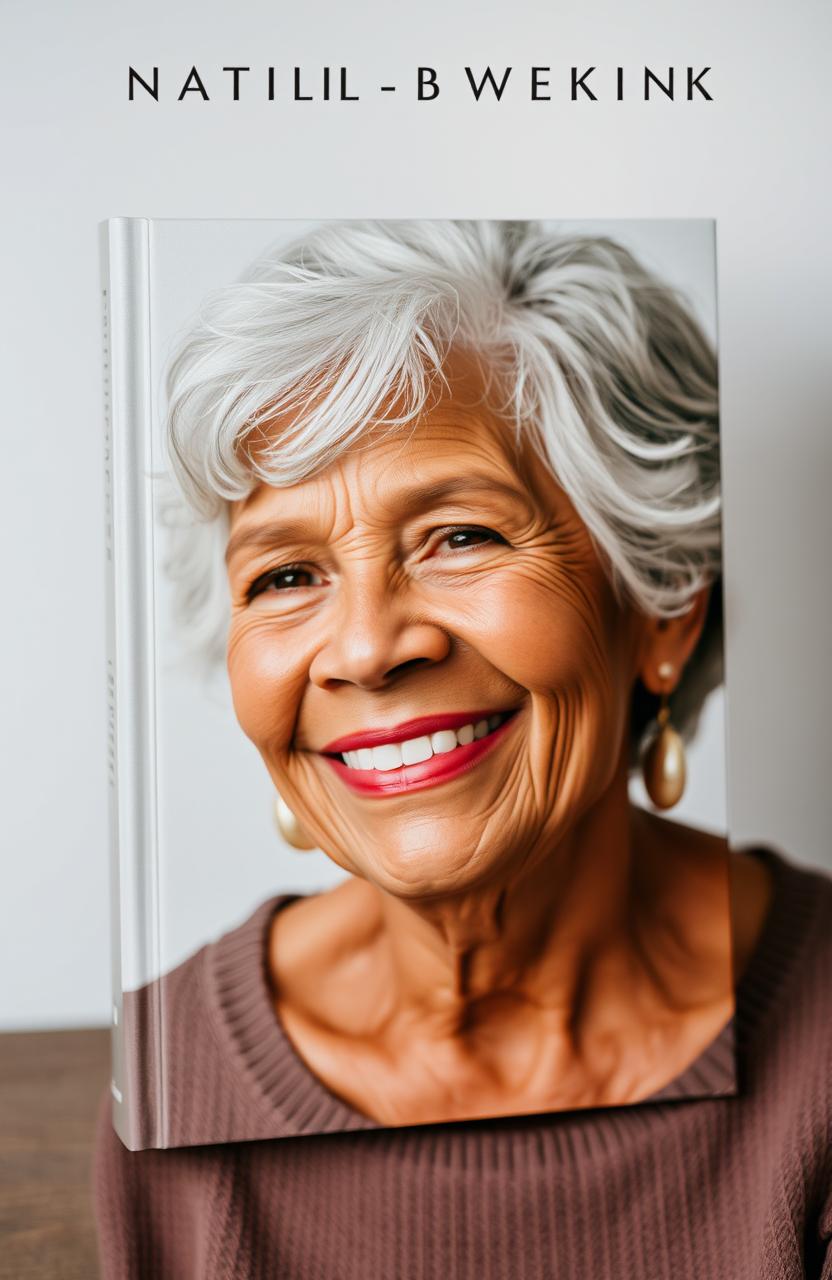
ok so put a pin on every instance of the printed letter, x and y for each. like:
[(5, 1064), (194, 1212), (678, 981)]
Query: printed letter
[(196, 87), (427, 80), (488, 76), (578, 82), (667, 89), (236, 75), (539, 83), (134, 75), (693, 81)]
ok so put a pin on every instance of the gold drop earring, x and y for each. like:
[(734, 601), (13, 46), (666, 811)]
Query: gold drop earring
[(663, 760), (293, 832)]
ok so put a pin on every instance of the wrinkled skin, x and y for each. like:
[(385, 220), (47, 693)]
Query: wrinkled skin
[(517, 938)]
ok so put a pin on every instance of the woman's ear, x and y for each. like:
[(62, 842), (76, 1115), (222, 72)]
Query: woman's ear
[(667, 643)]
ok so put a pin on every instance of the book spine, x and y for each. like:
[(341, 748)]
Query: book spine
[(125, 259)]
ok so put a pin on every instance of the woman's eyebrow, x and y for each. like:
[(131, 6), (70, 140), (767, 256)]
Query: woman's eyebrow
[(407, 501), (422, 496), (271, 534)]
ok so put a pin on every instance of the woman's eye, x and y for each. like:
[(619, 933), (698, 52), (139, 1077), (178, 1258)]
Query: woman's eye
[(461, 539), (292, 575)]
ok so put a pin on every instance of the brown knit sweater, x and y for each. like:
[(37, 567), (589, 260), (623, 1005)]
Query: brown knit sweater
[(679, 1186)]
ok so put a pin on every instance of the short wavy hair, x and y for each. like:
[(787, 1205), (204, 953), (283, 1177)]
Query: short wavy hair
[(599, 364)]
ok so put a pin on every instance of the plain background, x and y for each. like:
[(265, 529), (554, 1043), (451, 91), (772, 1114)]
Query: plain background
[(218, 853), (75, 151)]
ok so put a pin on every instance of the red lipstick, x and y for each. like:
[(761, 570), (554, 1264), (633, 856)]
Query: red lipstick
[(440, 767), (415, 728)]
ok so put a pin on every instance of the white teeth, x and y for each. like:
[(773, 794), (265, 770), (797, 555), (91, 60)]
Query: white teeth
[(388, 756), (415, 750), (392, 755)]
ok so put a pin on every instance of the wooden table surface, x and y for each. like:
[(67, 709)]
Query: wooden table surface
[(50, 1086)]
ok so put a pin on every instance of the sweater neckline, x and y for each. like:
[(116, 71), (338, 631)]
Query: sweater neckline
[(242, 1004)]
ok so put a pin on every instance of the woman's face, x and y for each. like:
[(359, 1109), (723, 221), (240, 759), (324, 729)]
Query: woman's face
[(427, 654)]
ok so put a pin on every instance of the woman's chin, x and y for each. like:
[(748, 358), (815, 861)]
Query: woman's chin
[(428, 872)]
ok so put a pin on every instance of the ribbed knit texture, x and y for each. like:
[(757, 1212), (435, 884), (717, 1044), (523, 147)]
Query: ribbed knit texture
[(734, 1186)]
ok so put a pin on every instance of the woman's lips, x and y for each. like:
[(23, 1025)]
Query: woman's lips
[(418, 753), (415, 728)]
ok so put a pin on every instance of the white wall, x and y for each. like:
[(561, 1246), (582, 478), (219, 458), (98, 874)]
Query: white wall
[(75, 151)]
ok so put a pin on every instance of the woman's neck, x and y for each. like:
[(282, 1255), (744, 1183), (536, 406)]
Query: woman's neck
[(538, 939), (592, 978)]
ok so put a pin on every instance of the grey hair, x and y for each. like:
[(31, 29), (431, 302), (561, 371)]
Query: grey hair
[(597, 362)]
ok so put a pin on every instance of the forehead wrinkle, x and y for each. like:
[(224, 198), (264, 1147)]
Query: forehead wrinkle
[(448, 453), (272, 523), (453, 451)]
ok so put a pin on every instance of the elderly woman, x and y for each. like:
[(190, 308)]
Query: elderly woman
[(466, 479)]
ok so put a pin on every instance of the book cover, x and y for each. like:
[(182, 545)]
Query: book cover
[(201, 863)]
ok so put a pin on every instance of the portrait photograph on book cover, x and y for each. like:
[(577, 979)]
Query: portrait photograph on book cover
[(416, 675)]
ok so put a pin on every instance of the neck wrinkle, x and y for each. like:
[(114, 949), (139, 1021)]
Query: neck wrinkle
[(533, 941)]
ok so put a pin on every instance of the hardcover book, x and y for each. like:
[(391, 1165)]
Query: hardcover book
[(293, 738)]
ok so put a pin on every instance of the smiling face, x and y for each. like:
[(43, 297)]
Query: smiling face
[(427, 653)]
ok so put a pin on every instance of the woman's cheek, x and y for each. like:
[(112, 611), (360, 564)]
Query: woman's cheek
[(543, 632), (267, 677)]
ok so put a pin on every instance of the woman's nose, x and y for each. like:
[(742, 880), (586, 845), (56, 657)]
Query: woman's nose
[(373, 639)]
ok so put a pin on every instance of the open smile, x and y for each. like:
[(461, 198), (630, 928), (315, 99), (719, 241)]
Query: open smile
[(417, 754)]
